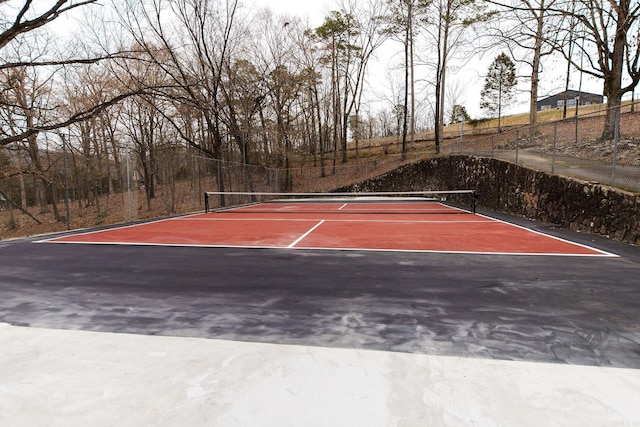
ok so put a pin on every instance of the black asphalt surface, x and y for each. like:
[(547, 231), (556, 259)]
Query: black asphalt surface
[(576, 310)]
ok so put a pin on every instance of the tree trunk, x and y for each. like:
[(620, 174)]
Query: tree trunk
[(23, 192), (24, 211), (614, 100), (535, 67), (413, 80), (406, 86), (443, 40), (613, 80)]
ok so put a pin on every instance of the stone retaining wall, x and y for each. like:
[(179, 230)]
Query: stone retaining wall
[(510, 188)]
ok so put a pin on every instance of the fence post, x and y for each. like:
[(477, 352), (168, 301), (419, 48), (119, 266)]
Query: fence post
[(616, 138), (577, 105), (492, 145), (129, 199), (221, 201), (553, 151), (517, 138)]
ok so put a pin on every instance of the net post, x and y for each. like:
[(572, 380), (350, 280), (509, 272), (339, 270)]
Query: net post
[(206, 202), (474, 201)]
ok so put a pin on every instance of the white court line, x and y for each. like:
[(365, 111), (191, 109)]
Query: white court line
[(434, 251), (305, 234), (112, 227), (435, 208), (560, 239), (298, 248), (487, 220), (482, 221)]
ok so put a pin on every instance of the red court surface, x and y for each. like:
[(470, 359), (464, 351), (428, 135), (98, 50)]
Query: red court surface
[(413, 227)]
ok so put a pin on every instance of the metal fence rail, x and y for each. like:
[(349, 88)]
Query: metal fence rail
[(570, 148)]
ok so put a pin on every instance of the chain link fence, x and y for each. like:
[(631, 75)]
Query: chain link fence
[(206, 174), (568, 147), (571, 148), (180, 185)]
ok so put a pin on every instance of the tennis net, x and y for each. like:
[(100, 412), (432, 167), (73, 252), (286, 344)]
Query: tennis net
[(448, 201)]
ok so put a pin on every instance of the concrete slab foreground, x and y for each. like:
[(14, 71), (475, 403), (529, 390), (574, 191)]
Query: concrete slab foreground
[(72, 378)]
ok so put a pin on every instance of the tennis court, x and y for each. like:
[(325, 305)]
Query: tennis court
[(358, 311), (371, 223)]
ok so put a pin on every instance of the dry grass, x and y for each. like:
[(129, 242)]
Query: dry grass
[(517, 120), (113, 209)]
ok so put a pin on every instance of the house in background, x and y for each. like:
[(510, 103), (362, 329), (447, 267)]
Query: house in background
[(557, 100)]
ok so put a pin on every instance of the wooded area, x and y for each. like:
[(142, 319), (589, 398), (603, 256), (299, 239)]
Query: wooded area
[(155, 92)]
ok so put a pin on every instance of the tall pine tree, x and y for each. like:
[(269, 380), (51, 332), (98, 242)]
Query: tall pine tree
[(499, 86)]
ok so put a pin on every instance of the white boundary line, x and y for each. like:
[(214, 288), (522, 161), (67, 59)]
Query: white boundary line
[(600, 253), (431, 251), (299, 239), (444, 221), (298, 248), (560, 239), (115, 227)]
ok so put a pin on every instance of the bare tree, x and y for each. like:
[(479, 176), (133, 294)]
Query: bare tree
[(26, 16), (24, 97), (447, 26), (309, 61), (610, 30), (529, 30), (339, 33), (20, 23), (402, 21), (190, 42), (369, 38)]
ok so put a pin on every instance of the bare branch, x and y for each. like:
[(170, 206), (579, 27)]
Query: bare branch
[(21, 26), (72, 61), (75, 118)]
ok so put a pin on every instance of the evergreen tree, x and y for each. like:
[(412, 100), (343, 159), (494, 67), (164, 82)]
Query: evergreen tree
[(499, 86), (459, 114)]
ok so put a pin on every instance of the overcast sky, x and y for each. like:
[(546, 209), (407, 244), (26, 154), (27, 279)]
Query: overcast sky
[(311, 9), (315, 11), (471, 76)]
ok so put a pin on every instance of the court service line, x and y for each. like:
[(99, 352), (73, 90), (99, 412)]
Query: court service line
[(305, 234), (417, 221), (386, 221)]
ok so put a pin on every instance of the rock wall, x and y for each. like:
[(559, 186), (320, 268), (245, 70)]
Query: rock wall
[(510, 188)]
